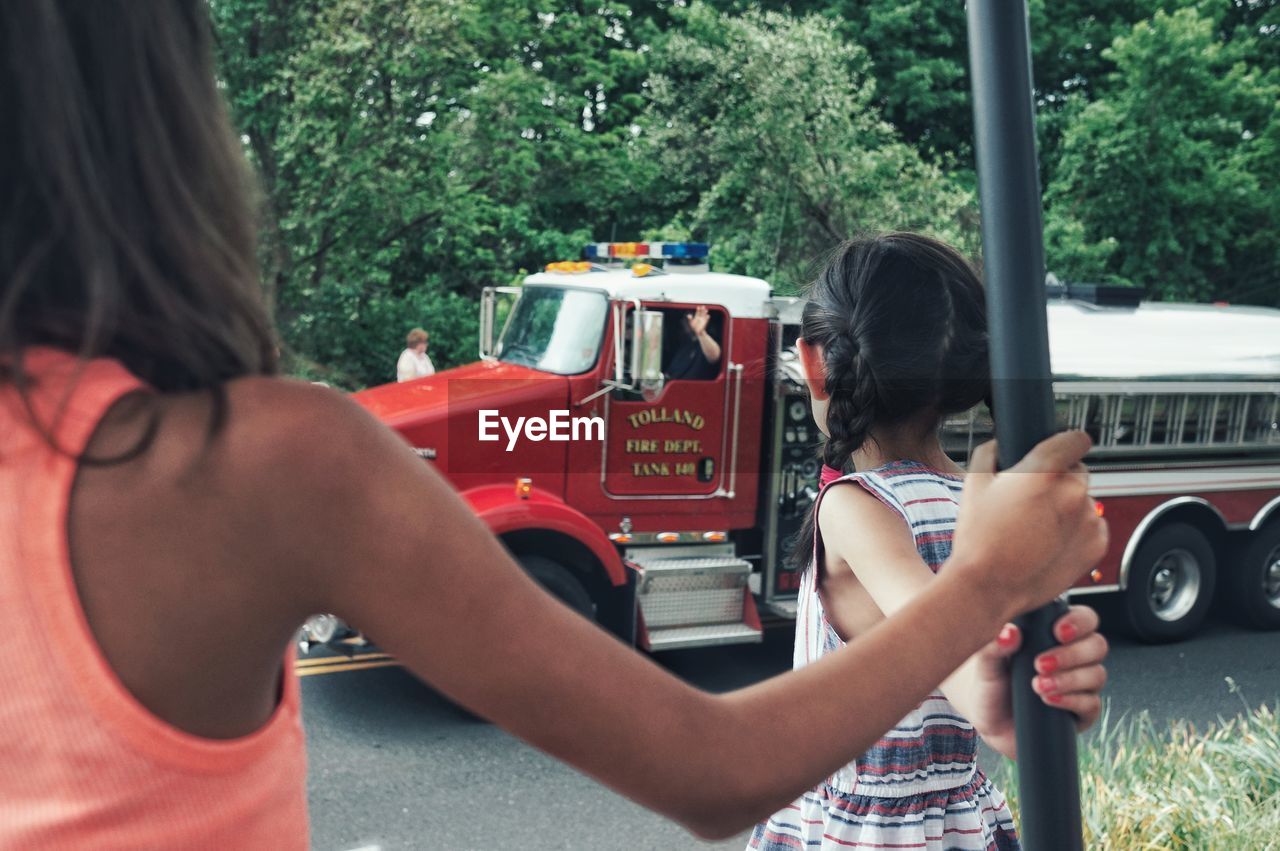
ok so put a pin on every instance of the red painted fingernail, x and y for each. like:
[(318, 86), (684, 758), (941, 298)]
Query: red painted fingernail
[(1067, 632), (1047, 664), (1006, 637), (1048, 685), (1053, 698)]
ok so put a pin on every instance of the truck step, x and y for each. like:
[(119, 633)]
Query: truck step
[(694, 600), (696, 606), (652, 566), (692, 591), (673, 638)]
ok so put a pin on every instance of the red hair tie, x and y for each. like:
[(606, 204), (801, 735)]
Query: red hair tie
[(829, 475)]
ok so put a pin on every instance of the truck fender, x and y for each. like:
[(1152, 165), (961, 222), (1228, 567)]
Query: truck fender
[(1264, 514), (1202, 509), (504, 512)]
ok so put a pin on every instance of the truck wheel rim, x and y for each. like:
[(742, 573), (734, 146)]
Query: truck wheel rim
[(1271, 578), (1174, 586)]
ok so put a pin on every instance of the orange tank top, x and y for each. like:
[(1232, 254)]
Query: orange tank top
[(82, 763)]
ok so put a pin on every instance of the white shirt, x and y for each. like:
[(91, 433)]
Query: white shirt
[(413, 365)]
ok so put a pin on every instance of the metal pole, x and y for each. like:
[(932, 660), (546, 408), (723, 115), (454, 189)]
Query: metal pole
[(1022, 390)]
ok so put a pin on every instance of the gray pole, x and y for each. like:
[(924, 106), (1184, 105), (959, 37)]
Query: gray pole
[(1022, 391)]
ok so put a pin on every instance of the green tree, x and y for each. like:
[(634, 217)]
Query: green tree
[(1175, 167), (1069, 39), (1256, 22), (772, 145), (413, 152), (920, 60)]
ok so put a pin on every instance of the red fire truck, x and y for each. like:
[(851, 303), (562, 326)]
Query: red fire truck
[(664, 508)]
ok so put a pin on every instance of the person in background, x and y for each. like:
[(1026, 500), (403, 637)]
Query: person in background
[(414, 362), (698, 356), (894, 339)]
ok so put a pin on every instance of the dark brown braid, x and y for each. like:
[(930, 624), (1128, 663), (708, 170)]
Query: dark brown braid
[(901, 322)]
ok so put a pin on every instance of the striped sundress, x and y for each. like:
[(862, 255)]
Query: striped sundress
[(918, 787)]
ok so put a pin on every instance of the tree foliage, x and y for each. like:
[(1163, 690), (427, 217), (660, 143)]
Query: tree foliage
[(774, 168), (1175, 166), (412, 152)]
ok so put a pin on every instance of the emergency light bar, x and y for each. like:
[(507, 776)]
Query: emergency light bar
[(572, 267), (654, 250)]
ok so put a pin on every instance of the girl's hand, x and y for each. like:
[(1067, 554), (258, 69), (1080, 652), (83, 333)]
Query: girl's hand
[(1069, 677), (1027, 533)]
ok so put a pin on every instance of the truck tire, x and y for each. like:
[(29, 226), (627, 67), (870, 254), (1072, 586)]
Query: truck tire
[(560, 583), (1253, 584), (1171, 584)]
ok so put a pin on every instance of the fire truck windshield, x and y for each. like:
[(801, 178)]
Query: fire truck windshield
[(556, 330)]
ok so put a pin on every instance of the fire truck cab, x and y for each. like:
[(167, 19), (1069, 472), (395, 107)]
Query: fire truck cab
[(665, 507)]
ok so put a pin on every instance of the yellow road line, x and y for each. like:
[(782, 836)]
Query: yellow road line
[(358, 666), (315, 661)]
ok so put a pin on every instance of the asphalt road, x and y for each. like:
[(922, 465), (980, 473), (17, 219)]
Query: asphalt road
[(393, 766)]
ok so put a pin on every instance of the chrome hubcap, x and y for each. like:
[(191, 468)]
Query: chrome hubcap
[(1175, 585), (1271, 578)]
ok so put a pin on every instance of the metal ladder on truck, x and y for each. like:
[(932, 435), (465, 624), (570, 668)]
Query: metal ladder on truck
[(1152, 418)]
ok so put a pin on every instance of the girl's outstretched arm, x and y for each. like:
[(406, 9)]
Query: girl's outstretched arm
[(349, 521)]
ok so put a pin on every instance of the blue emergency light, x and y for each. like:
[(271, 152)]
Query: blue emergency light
[(652, 250)]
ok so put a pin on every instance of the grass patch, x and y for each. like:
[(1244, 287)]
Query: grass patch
[(1165, 788)]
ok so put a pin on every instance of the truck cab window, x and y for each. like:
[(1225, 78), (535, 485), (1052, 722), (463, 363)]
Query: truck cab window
[(556, 330)]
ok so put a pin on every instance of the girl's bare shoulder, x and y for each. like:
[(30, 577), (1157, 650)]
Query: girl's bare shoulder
[(294, 450), (858, 524), (263, 427), (266, 460), (858, 502)]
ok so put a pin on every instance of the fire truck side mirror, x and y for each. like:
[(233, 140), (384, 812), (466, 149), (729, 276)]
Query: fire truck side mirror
[(488, 317), (646, 352)]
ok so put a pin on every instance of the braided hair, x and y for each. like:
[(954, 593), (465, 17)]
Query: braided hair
[(901, 321)]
